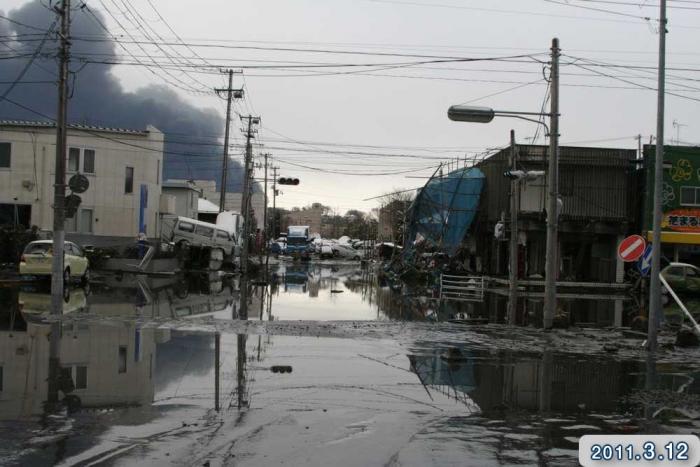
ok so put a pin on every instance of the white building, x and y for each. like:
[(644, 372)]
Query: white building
[(123, 167), (233, 200)]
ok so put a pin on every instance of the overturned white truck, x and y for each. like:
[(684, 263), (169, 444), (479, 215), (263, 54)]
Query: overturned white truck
[(202, 244)]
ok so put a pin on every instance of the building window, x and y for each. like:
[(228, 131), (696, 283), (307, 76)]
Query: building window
[(86, 220), (122, 359), (89, 161), (1, 379), (5, 151), (129, 180), (158, 172), (80, 377), (73, 159), (690, 196)]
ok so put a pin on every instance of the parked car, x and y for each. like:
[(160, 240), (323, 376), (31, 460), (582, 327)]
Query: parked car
[(346, 251), (683, 278), (37, 259)]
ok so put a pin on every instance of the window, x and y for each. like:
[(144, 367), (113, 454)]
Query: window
[(204, 231), (5, 151), (1, 379), (690, 196), (89, 161), (129, 180), (158, 172), (122, 359), (186, 227), (73, 159), (86, 220), (80, 377)]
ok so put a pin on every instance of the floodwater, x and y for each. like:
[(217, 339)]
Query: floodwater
[(320, 367)]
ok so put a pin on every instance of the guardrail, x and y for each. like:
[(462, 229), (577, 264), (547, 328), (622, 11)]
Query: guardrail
[(462, 288), (680, 303)]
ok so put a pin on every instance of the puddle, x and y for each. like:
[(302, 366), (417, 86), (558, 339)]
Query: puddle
[(138, 383)]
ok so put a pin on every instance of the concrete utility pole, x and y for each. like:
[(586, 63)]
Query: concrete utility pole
[(655, 282), (231, 93), (514, 206), (274, 202), (552, 258), (265, 230), (245, 198), (59, 197)]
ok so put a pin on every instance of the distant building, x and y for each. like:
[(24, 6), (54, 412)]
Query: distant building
[(233, 200), (311, 216), (186, 198), (123, 168)]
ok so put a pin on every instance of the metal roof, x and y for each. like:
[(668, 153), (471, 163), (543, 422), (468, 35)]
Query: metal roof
[(73, 126)]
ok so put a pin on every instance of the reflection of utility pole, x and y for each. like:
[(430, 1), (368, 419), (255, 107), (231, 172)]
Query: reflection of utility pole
[(240, 369), (59, 197), (217, 369), (245, 199), (231, 93)]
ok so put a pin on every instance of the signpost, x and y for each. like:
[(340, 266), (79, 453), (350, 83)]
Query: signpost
[(644, 263), (631, 248)]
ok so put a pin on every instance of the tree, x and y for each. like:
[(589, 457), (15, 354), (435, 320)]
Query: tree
[(392, 215)]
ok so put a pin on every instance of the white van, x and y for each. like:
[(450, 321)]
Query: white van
[(185, 232)]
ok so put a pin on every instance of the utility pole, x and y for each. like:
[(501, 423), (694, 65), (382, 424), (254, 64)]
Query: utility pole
[(267, 250), (274, 201), (552, 258), (245, 199), (231, 93), (59, 197), (514, 206), (639, 146), (655, 283)]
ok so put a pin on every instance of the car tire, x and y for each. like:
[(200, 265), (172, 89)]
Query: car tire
[(66, 277), (85, 280)]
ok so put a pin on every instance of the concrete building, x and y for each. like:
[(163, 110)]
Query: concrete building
[(186, 196), (123, 167), (310, 215), (233, 200)]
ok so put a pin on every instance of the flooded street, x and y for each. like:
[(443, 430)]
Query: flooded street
[(319, 366)]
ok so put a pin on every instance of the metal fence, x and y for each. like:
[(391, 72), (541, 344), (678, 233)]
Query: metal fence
[(462, 288)]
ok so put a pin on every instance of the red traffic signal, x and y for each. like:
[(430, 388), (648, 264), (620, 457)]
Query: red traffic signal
[(288, 181)]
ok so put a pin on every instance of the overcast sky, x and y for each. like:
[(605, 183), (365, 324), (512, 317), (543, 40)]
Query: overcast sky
[(380, 110)]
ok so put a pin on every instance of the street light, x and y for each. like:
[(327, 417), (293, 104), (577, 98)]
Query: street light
[(466, 113)]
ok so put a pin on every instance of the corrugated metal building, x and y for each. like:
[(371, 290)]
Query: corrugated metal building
[(601, 204)]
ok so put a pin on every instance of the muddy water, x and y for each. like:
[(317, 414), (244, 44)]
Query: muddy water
[(139, 383)]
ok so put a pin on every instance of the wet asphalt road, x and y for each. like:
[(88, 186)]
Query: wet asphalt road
[(374, 379)]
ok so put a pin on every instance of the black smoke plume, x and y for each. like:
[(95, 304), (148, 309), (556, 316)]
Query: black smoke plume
[(97, 97)]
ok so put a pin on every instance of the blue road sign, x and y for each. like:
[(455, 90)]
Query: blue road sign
[(644, 262)]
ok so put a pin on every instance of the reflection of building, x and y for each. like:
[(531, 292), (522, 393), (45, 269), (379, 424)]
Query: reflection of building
[(552, 381), (123, 168), (102, 365)]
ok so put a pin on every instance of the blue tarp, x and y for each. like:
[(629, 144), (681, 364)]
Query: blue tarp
[(444, 209)]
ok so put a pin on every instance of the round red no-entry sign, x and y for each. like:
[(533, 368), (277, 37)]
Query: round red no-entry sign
[(631, 248)]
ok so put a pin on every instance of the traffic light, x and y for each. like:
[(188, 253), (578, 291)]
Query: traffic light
[(288, 181)]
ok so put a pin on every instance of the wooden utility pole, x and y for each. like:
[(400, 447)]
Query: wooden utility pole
[(231, 93), (245, 198), (514, 206), (59, 197), (552, 256)]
